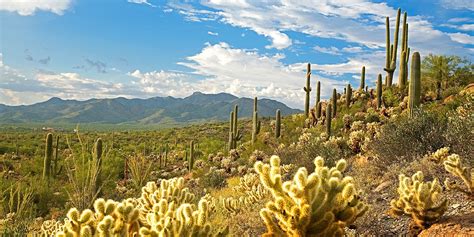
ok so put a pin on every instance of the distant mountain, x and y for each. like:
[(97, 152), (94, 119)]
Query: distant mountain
[(198, 107)]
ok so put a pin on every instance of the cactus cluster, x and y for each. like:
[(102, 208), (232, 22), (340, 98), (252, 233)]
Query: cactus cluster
[(255, 122), (419, 199), (317, 204), (234, 133)]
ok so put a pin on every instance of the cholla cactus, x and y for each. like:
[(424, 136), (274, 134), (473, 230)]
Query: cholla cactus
[(453, 165), (440, 155), (51, 228), (109, 219), (171, 190), (419, 199), (356, 140), (319, 204)]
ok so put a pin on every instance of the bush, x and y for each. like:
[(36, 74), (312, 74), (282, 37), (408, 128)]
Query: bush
[(407, 138)]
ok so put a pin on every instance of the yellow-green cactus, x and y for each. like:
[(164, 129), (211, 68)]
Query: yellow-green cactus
[(172, 190), (419, 199), (453, 165), (440, 155), (319, 204)]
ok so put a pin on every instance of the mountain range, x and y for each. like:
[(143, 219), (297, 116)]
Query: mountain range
[(198, 107)]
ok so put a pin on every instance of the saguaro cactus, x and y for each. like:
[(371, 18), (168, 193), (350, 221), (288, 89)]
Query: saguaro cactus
[(379, 91), (54, 169), (98, 162), (48, 156), (318, 92), (255, 122), (414, 91), (362, 79), (404, 55), (307, 89), (234, 133), (278, 124), (328, 119), (191, 156), (391, 49), (348, 95), (318, 110), (334, 102)]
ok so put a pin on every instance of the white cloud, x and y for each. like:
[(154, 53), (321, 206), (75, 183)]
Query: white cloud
[(458, 4), (354, 21), (28, 7), (212, 33), (331, 50), (462, 38), (142, 2)]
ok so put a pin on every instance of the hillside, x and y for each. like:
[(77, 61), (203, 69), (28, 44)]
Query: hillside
[(156, 110)]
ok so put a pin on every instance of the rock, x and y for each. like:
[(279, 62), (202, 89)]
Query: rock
[(382, 186)]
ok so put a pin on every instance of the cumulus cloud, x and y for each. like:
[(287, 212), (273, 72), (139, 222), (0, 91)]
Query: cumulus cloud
[(353, 21), (462, 38), (27, 8)]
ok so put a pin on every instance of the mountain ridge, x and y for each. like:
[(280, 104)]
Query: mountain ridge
[(198, 107)]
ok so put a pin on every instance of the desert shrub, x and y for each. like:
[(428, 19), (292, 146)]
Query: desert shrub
[(213, 179), (140, 168), (407, 138)]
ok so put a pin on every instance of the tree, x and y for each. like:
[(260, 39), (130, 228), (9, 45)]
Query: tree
[(441, 72)]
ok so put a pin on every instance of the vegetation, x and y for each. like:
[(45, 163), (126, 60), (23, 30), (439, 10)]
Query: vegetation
[(261, 175)]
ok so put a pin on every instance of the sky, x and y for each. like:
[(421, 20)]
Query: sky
[(82, 49)]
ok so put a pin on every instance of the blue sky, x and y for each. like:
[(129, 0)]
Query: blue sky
[(81, 49)]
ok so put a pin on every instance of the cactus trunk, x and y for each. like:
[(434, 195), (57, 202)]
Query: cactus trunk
[(318, 110), (348, 95), (334, 102), (415, 84), (318, 92), (191, 156), (362, 79), (379, 91), (328, 119), (255, 122), (307, 89), (278, 124), (48, 156)]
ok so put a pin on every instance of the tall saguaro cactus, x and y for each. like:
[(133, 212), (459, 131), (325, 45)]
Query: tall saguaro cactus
[(379, 91), (307, 89), (54, 169), (362, 79), (234, 133), (348, 95), (191, 156), (255, 122), (404, 55), (328, 119), (97, 159), (278, 124), (318, 110), (48, 156), (318, 92), (334, 102), (391, 49), (414, 91)]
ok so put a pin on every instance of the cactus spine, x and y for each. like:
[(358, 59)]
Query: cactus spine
[(48, 156), (318, 92), (362, 79), (191, 156), (255, 122), (278, 124), (414, 91), (348, 95), (334, 102), (328, 119), (307, 89), (379, 91), (391, 54)]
